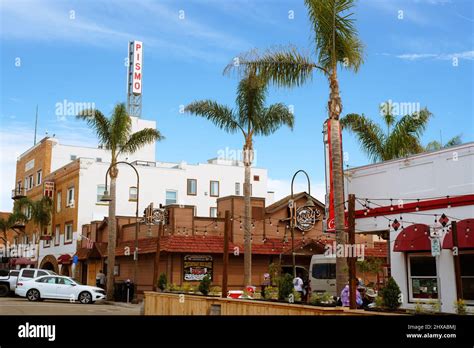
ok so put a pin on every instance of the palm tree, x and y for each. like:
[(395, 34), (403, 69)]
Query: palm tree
[(437, 145), (336, 45), (115, 134), (402, 137), (251, 118), (11, 222)]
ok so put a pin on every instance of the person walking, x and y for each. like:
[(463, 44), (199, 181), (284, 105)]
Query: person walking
[(298, 285), (100, 279)]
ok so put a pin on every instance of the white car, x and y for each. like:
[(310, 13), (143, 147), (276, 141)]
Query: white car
[(58, 288)]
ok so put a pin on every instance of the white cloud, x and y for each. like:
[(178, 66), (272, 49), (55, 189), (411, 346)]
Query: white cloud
[(468, 55), (282, 188)]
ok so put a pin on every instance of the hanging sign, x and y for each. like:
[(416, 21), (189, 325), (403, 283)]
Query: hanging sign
[(196, 267), (435, 247)]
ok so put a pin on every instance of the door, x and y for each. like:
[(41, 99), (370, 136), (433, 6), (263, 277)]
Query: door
[(46, 286), (65, 289)]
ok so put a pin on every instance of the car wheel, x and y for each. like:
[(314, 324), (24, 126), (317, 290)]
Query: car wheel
[(4, 290), (85, 297), (33, 295)]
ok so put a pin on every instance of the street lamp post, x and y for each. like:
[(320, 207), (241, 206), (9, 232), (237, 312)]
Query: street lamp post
[(294, 217), (106, 198)]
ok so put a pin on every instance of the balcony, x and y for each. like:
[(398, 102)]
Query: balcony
[(18, 192)]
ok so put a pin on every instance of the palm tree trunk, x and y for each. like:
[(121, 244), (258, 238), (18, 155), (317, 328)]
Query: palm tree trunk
[(248, 154), (335, 109), (112, 236)]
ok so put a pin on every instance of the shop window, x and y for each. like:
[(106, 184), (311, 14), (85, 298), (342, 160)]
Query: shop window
[(192, 187), (422, 277), (467, 276)]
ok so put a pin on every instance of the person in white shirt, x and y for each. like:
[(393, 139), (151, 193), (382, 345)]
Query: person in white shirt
[(298, 285), (100, 279)]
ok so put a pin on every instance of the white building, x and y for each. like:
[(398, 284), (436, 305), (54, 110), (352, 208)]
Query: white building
[(416, 191)]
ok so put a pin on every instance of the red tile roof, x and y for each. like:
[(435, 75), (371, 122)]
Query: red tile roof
[(208, 244)]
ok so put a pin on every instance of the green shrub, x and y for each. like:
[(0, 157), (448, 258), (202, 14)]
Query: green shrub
[(271, 293), (162, 282), (391, 294), (318, 298), (215, 290), (460, 306), (378, 302), (205, 285), (435, 306), (285, 286)]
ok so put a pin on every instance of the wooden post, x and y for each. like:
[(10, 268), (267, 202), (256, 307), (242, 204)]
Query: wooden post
[(156, 270), (351, 260), (225, 254), (457, 261)]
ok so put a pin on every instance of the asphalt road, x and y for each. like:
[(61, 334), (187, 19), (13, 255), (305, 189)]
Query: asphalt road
[(21, 306)]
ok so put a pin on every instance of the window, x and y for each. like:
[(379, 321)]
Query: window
[(65, 281), (46, 243), (70, 197), (57, 234), (28, 212), (192, 187), (68, 233), (324, 271), (213, 212), (58, 201), (27, 273), (48, 280), (41, 273), (73, 157), (256, 178), (29, 182), (171, 197), (422, 277), (98, 159), (467, 276), (39, 174), (100, 192), (133, 194), (237, 188), (214, 188)]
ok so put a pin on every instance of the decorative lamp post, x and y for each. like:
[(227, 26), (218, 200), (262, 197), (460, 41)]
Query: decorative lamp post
[(303, 217), (107, 198)]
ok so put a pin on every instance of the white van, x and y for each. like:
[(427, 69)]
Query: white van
[(323, 274)]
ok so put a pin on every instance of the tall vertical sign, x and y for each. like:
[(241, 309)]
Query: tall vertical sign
[(135, 78)]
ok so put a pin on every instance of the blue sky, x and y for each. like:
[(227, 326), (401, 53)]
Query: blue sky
[(50, 54)]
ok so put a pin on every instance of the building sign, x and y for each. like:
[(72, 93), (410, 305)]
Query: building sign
[(306, 217), (196, 267), (48, 189), (30, 165), (137, 74)]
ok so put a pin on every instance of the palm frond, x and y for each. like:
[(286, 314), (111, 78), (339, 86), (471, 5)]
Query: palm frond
[(369, 134), (139, 139), (335, 34), (120, 126), (221, 115), (251, 95), (285, 67), (457, 140), (99, 124), (272, 118)]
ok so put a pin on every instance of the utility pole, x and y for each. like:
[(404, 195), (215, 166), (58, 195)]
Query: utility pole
[(225, 255), (351, 260), (457, 262)]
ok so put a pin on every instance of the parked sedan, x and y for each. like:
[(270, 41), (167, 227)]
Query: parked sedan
[(58, 288)]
